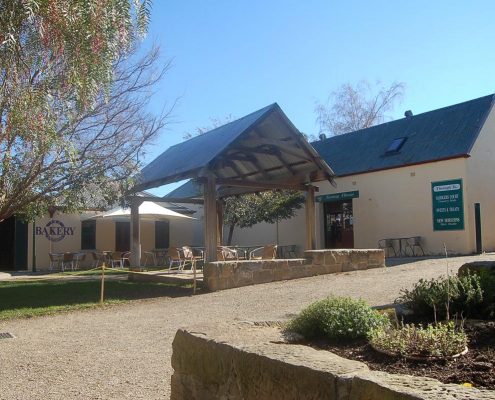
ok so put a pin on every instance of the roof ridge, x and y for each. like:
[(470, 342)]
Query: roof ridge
[(228, 123)]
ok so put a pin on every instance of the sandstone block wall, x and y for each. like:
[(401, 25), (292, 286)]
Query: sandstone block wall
[(344, 260), (229, 274), (240, 362)]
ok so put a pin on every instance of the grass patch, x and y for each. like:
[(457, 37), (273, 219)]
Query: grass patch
[(25, 299)]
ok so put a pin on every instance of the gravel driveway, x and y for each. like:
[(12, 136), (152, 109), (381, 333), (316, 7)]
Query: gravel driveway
[(123, 352)]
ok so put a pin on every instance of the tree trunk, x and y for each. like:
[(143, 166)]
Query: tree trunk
[(231, 233)]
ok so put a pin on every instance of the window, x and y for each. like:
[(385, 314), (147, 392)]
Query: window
[(88, 235), (162, 234), (122, 236), (395, 145)]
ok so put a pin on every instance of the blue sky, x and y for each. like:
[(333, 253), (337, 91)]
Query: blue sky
[(234, 57)]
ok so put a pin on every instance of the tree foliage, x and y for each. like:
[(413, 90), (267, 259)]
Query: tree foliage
[(250, 209), (354, 107), (71, 101)]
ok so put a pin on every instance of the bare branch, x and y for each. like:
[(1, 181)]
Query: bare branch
[(351, 108)]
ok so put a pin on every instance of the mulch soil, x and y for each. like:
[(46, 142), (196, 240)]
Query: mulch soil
[(475, 367)]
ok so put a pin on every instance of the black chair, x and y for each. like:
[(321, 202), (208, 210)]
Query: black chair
[(414, 242), (387, 244)]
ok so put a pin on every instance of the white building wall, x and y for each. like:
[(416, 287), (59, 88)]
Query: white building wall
[(481, 187)]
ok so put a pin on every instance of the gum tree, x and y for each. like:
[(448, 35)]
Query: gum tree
[(71, 101), (359, 106)]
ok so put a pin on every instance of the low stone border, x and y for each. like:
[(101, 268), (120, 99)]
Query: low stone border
[(229, 274), (247, 361)]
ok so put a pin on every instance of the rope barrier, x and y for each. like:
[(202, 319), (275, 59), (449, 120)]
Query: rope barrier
[(85, 271)]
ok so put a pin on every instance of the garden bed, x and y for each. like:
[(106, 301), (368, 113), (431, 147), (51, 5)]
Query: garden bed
[(475, 367)]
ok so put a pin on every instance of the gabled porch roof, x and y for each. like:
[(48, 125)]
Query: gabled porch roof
[(262, 150)]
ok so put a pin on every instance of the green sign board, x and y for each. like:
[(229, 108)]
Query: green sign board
[(338, 196), (448, 207)]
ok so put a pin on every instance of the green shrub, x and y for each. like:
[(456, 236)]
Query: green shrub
[(487, 283), (429, 298), (439, 340), (337, 319)]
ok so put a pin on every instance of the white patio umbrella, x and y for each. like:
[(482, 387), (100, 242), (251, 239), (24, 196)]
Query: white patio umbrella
[(147, 210)]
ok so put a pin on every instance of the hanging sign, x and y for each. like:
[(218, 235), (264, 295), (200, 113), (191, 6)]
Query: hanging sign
[(337, 196), (448, 206)]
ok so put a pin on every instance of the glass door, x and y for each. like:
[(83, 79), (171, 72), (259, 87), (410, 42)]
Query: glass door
[(339, 232)]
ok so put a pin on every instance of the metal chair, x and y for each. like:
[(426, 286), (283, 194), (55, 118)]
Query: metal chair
[(98, 258), (175, 257), (68, 259), (126, 256), (55, 260), (413, 242), (189, 256), (387, 244), (115, 259), (78, 257), (269, 252)]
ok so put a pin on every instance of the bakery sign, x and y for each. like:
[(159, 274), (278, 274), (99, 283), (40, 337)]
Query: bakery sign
[(54, 230)]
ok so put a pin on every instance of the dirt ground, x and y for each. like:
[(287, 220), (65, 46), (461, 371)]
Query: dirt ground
[(474, 367), (123, 352)]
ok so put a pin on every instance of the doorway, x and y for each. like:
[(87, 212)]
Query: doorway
[(122, 236), (339, 232), (13, 246)]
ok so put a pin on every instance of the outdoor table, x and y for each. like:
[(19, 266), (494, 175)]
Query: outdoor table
[(160, 256)]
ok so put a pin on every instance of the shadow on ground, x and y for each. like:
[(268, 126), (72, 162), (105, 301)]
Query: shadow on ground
[(394, 261)]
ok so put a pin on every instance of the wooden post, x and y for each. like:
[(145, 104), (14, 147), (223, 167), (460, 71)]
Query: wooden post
[(135, 234), (310, 219), (102, 288), (210, 219), (219, 222)]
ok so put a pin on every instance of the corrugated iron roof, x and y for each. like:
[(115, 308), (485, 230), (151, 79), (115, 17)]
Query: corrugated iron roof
[(197, 152), (445, 133), (188, 190), (263, 146)]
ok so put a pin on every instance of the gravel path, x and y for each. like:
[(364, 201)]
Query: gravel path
[(123, 352)]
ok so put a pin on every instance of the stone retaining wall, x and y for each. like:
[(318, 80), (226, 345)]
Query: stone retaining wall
[(229, 274), (247, 362)]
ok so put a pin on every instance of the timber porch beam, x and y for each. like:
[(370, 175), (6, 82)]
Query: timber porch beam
[(262, 184), (169, 199)]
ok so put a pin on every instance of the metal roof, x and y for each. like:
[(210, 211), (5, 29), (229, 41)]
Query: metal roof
[(170, 205), (262, 146), (188, 190), (445, 133)]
